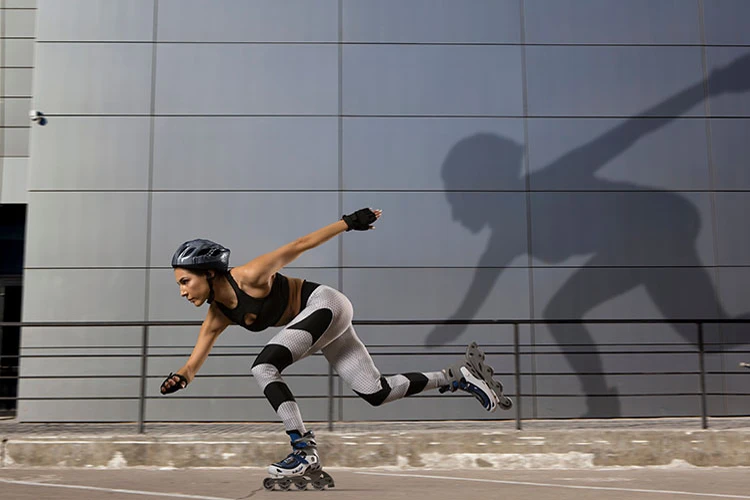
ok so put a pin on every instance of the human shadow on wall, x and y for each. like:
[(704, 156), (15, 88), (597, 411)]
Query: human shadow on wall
[(625, 227)]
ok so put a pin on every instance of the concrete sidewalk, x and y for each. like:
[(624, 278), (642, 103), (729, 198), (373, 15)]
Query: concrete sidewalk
[(420, 445)]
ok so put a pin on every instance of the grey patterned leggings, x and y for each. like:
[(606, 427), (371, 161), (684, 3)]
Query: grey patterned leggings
[(325, 324)]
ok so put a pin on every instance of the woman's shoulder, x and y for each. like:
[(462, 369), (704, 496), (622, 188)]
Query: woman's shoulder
[(249, 275)]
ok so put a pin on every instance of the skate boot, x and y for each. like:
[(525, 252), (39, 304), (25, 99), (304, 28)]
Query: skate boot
[(475, 377), (300, 468)]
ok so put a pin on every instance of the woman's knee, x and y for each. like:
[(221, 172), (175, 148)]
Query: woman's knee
[(276, 355), (378, 397)]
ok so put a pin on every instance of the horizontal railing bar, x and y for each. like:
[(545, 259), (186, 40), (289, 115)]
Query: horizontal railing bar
[(323, 375), (409, 322), (374, 354), (485, 346), (351, 397)]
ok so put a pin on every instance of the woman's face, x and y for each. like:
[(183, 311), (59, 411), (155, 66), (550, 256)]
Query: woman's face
[(194, 287)]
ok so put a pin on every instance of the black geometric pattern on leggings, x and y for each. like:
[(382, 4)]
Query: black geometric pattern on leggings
[(276, 355), (277, 393), (377, 398), (315, 324), (417, 383)]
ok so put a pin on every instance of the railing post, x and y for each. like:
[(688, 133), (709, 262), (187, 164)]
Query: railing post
[(702, 364), (144, 369), (330, 398), (517, 363)]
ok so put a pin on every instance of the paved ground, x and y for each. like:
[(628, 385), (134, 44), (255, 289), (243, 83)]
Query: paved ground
[(11, 427), (233, 484)]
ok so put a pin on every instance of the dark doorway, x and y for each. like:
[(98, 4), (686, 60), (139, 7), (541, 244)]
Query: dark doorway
[(12, 232)]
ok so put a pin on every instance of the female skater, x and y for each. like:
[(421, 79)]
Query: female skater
[(314, 318)]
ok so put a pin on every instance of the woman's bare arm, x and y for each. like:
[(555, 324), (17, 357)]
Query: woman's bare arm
[(263, 267), (212, 326)]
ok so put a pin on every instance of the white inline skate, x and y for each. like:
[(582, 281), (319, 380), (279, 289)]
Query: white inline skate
[(474, 376), (300, 468)]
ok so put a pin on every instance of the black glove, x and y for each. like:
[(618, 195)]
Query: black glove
[(179, 385), (360, 220)]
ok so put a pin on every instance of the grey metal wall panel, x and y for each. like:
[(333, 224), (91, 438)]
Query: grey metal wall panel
[(99, 78), (246, 153), (17, 82), (476, 80), (261, 223), (429, 21), (617, 155), (166, 304), (84, 153), (19, 52), (107, 410), (632, 407), (15, 141), (575, 366), (731, 152), (255, 79), (621, 293), (54, 387), (469, 67), (729, 80), (82, 366), (14, 173), (86, 230), (248, 21), (731, 405), (613, 81), (180, 409), (413, 339), (733, 233), (19, 22), (45, 292), (611, 22), (628, 385), (95, 20), (20, 4), (615, 337), (16, 111), (437, 293), (430, 154), (734, 297), (441, 242), (180, 339), (623, 228), (726, 22), (84, 339)]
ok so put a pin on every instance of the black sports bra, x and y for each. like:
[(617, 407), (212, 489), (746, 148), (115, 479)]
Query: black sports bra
[(258, 314)]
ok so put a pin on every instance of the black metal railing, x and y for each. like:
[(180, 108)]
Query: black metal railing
[(144, 355)]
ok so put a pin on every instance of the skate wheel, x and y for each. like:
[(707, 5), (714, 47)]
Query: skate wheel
[(506, 403), (268, 483), (319, 484), (328, 479), (300, 484), (285, 484), (473, 351)]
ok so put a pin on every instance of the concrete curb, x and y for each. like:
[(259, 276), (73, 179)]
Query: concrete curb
[(431, 449)]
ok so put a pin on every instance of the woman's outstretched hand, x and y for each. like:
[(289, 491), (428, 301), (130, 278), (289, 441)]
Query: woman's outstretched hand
[(362, 219), (173, 383)]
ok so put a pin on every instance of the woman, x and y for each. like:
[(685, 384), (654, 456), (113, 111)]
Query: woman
[(315, 318)]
